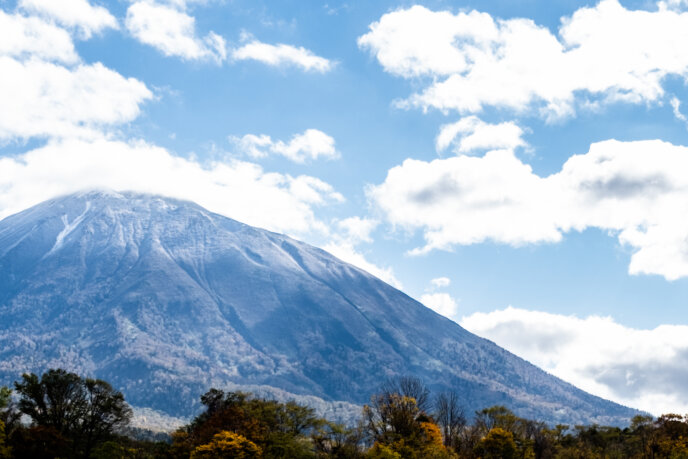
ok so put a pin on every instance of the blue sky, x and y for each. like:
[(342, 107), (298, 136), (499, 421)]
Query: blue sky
[(521, 167)]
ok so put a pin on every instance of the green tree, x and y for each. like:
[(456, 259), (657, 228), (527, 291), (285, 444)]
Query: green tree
[(5, 394), (279, 429), (83, 411)]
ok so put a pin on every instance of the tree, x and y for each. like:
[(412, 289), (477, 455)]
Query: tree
[(497, 444), (496, 416), (337, 441), (5, 450), (228, 444), (394, 420), (83, 411), (450, 417), (5, 394), (278, 429), (409, 386), (105, 412)]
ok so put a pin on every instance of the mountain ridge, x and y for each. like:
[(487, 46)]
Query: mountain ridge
[(160, 296)]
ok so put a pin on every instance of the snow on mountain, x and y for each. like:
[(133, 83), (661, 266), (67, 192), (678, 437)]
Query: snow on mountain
[(165, 300)]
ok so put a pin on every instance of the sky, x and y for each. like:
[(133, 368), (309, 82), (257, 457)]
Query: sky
[(519, 167)]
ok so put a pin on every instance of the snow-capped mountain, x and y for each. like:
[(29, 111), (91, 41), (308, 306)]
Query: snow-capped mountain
[(165, 299)]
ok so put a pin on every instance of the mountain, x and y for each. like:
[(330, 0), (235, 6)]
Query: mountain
[(165, 299)]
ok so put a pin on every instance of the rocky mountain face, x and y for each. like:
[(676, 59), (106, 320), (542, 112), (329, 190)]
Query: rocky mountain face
[(165, 299)]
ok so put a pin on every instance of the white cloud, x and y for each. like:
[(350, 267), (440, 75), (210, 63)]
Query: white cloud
[(474, 134), (440, 282), (346, 234), (22, 37), (357, 229), (77, 14), (441, 303), (346, 251), (471, 60), (238, 189), (311, 144), (312, 190), (645, 369), (282, 55), (673, 4), (45, 99), (45, 91), (676, 106), (636, 190), (172, 31)]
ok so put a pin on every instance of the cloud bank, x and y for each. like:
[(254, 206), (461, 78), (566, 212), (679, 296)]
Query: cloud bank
[(645, 369), (637, 191), (470, 60), (238, 189)]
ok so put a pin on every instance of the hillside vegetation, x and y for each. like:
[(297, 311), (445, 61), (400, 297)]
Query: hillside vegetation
[(61, 414)]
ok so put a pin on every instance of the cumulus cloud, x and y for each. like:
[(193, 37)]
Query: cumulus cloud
[(471, 60), (311, 144), (173, 32), (46, 91), (45, 99), (23, 37), (238, 189), (75, 14), (641, 368), (440, 282), (637, 191), (441, 303), (282, 55), (471, 134)]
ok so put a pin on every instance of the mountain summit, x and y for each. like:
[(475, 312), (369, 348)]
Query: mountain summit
[(165, 299)]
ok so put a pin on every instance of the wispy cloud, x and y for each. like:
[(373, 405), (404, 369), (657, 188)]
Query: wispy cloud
[(471, 134), (282, 55), (440, 282), (309, 145)]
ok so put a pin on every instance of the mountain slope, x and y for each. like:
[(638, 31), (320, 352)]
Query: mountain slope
[(165, 299)]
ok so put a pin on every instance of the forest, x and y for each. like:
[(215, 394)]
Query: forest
[(63, 415)]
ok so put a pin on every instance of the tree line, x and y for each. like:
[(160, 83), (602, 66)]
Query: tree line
[(63, 415)]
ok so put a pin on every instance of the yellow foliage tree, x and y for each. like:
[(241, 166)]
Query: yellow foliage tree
[(433, 447), (228, 444), (497, 444), (4, 449), (380, 451)]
